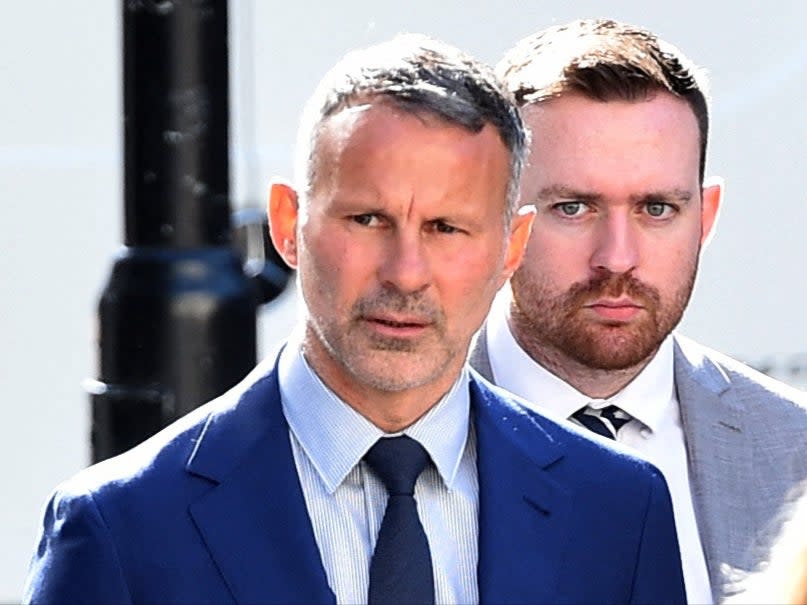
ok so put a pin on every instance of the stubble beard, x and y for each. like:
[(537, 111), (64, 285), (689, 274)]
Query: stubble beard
[(387, 363), (552, 328)]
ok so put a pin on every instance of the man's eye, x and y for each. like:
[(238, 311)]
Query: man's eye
[(571, 208), (658, 209), (365, 220), (442, 227)]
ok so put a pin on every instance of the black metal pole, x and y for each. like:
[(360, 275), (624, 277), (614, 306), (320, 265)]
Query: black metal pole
[(177, 318)]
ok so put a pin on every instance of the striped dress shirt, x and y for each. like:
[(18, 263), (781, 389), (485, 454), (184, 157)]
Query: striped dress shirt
[(346, 501)]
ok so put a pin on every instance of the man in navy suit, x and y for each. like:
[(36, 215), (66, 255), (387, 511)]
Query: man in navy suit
[(402, 230)]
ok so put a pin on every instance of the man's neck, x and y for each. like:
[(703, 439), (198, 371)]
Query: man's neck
[(593, 382), (390, 410)]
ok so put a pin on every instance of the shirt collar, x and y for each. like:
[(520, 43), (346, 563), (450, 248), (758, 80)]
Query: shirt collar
[(645, 398), (335, 437)]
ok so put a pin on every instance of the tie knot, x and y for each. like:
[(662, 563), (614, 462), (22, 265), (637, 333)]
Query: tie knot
[(606, 421), (398, 462), (616, 416)]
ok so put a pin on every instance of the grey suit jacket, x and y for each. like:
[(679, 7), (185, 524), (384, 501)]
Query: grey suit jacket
[(746, 439)]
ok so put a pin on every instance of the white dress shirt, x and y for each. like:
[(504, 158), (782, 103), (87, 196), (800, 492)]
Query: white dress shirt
[(346, 501), (655, 432)]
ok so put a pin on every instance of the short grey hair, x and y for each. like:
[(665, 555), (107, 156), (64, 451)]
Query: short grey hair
[(416, 74)]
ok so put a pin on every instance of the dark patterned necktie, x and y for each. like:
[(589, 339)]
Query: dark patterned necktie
[(401, 567), (605, 422)]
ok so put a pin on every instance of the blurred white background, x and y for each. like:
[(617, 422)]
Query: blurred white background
[(61, 184)]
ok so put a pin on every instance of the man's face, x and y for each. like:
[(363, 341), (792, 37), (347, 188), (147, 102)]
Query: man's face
[(612, 259), (401, 247)]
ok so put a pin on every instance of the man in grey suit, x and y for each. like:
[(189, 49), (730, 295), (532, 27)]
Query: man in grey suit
[(619, 124)]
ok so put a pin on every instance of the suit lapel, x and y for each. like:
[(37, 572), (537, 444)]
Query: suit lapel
[(255, 522), (720, 462), (522, 530)]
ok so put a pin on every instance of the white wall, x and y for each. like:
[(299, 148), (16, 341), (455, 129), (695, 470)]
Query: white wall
[(60, 182)]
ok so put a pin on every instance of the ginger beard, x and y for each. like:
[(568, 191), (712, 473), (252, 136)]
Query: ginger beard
[(558, 321)]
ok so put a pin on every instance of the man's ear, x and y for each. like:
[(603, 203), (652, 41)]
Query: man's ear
[(283, 211), (520, 230), (711, 200)]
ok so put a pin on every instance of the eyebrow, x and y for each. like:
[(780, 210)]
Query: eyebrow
[(564, 192), (682, 196)]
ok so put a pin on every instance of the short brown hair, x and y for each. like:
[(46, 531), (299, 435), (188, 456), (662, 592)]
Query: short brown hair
[(604, 60)]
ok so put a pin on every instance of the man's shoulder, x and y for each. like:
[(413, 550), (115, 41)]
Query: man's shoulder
[(735, 380), (584, 454), (160, 463)]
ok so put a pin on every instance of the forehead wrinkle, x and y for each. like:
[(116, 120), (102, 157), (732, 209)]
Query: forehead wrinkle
[(411, 209)]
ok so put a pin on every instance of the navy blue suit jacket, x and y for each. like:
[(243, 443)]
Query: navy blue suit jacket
[(211, 510)]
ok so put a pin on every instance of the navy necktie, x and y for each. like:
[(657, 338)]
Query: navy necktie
[(605, 422), (401, 567)]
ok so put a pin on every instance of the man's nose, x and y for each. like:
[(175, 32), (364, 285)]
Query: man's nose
[(405, 263), (617, 245)]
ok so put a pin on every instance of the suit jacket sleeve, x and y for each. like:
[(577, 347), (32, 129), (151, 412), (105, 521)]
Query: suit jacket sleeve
[(659, 577), (76, 560)]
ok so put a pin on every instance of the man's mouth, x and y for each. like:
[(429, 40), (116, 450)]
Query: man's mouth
[(398, 326), (615, 310)]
